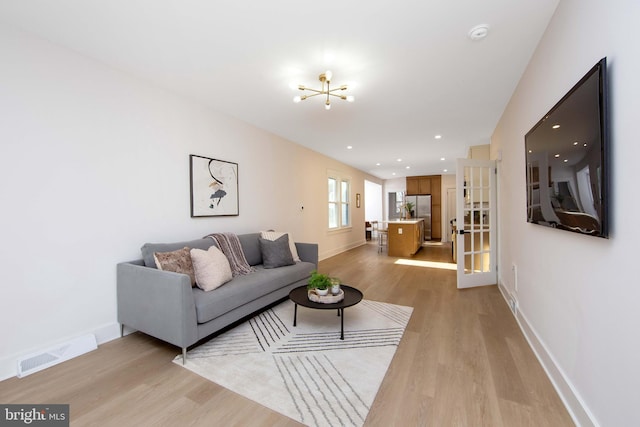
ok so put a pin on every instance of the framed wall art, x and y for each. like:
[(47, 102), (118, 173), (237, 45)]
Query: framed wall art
[(214, 187)]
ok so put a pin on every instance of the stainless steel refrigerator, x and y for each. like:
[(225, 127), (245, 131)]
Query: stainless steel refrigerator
[(422, 209)]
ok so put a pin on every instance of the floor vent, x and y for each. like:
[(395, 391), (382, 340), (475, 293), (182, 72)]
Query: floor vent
[(513, 305), (35, 362)]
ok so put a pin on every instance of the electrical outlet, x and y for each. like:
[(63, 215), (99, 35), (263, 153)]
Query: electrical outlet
[(399, 230)]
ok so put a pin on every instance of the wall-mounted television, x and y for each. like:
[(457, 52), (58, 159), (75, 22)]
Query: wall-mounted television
[(567, 156)]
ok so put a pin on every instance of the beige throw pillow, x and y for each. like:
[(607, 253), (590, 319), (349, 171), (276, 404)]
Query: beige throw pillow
[(177, 261), (211, 268), (275, 235)]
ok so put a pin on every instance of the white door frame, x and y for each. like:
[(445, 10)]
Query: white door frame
[(476, 212)]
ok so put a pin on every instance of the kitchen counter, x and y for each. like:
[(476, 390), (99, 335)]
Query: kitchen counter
[(406, 221), (405, 237)]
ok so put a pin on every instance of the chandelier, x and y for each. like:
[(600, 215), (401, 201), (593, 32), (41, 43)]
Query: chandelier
[(325, 79)]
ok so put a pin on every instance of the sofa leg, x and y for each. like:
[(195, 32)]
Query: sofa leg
[(184, 355)]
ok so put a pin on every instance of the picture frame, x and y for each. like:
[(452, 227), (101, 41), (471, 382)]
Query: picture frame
[(214, 187)]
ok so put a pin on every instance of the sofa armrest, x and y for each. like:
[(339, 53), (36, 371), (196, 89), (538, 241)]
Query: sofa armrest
[(158, 303), (308, 252)]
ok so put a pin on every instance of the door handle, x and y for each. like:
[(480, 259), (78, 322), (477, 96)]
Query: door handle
[(462, 232)]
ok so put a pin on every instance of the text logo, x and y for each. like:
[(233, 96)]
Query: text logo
[(34, 415)]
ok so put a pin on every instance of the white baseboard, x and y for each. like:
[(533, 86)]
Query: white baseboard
[(576, 407), (103, 334), (337, 251)]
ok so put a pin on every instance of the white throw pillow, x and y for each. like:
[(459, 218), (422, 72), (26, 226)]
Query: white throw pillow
[(274, 235), (211, 268)]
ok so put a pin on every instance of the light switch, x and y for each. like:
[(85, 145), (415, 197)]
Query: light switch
[(399, 230)]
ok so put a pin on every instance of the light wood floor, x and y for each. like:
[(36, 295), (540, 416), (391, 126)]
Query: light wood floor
[(462, 362)]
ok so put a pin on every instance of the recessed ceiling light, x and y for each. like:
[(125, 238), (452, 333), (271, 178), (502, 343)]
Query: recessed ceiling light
[(378, 164), (442, 159), (575, 143), (444, 170), (408, 167), (394, 174), (555, 126), (349, 147), (585, 144), (438, 137), (478, 32), (565, 160), (399, 160), (556, 156), (530, 151)]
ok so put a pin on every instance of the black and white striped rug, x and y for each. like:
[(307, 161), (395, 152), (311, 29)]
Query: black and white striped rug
[(306, 372)]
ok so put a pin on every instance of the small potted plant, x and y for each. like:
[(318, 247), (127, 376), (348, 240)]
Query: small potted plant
[(335, 286), (409, 208), (320, 283)]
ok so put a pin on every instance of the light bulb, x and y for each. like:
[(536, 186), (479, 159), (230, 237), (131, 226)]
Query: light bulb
[(328, 74), (297, 99), (327, 106), (351, 98)]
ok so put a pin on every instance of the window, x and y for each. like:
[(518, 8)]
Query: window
[(339, 192)]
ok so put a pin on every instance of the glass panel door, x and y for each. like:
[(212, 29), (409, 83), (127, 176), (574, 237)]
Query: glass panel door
[(476, 226)]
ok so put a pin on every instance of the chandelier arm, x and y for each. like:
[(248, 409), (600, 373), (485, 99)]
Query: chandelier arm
[(313, 90), (336, 95), (328, 91), (315, 94)]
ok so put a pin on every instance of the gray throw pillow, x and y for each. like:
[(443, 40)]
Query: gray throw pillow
[(276, 253)]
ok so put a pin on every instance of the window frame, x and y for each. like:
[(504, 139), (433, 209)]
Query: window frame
[(339, 204)]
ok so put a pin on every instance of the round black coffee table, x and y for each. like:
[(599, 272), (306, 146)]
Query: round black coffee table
[(352, 296)]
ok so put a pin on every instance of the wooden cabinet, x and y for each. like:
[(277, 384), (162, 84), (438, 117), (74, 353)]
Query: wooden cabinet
[(404, 237), (436, 221), (432, 185), (436, 188), (417, 185), (412, 186), (436, 207)]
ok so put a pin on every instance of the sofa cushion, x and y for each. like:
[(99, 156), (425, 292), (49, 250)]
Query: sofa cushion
[(244, 289), (276, 253), (211, 268), (251, 248), (274, 235), (148, 249), (177, 261)]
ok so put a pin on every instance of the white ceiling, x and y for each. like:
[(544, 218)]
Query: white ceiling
[(410, 65)]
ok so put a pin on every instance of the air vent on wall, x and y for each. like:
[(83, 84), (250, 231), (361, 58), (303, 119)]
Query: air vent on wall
[(38, 361)]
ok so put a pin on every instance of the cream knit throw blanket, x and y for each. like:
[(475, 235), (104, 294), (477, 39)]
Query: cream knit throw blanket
[(230, 246)]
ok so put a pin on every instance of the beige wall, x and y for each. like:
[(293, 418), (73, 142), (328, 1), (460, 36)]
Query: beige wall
[(578, 295), (94, 163)]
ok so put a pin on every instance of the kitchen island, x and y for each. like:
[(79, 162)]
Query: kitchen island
[(405, 237)]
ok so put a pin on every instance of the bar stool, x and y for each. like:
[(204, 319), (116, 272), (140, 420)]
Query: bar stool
[(382, 234)]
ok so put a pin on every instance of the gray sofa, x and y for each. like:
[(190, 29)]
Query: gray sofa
[(164, 305)]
